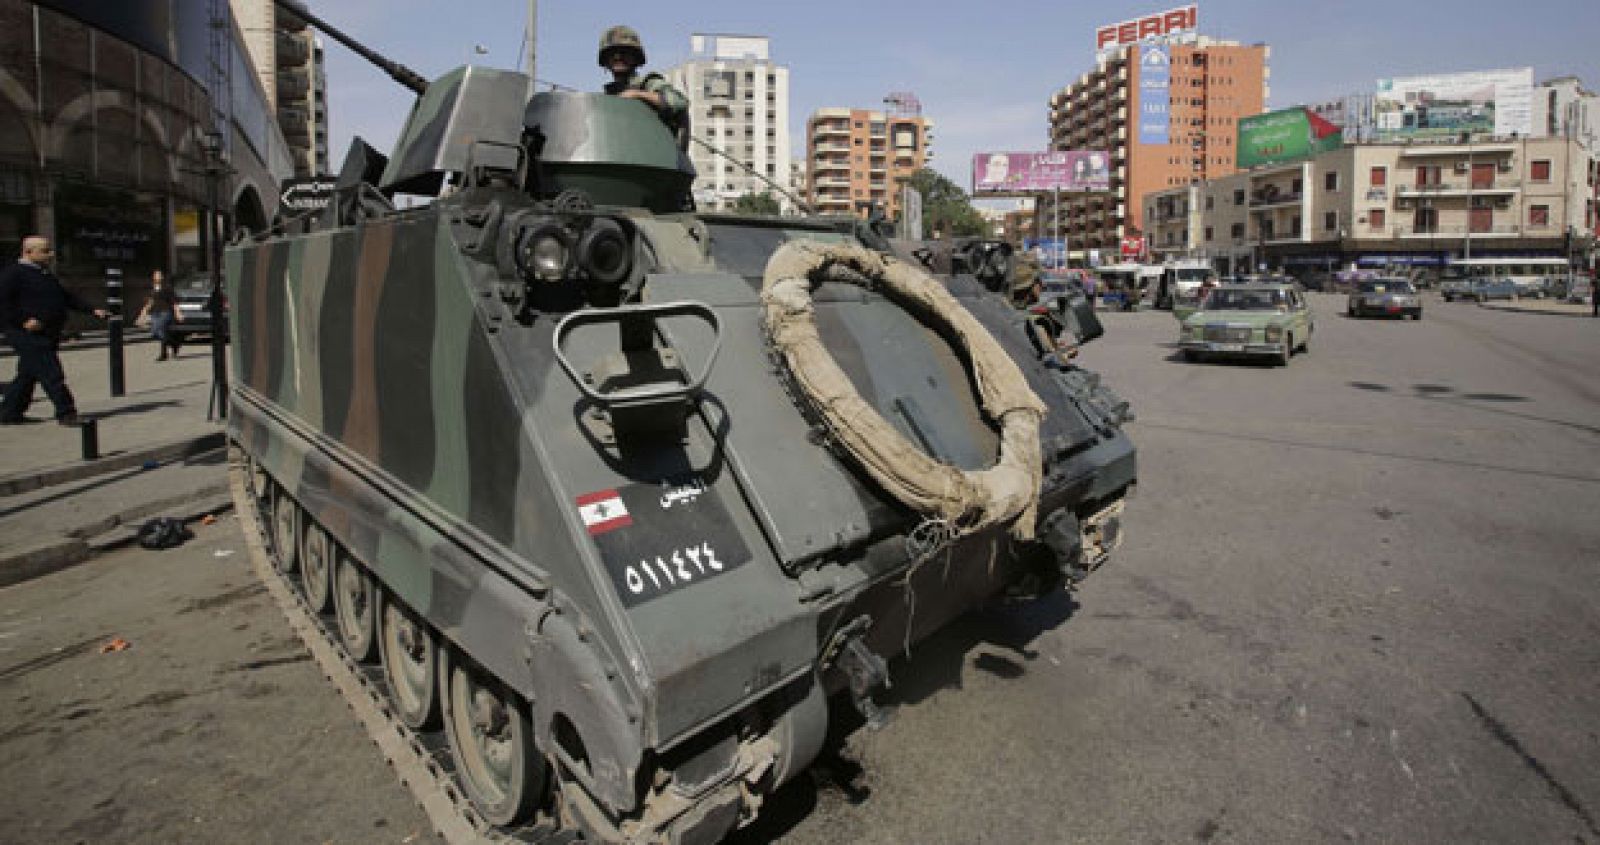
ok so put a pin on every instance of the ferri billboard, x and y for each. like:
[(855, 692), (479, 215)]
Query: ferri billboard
[(1491, 102)]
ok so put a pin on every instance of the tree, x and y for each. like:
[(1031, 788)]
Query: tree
[(753, 203), (945, 207)]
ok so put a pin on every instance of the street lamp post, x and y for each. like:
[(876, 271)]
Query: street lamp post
[(216, 168)]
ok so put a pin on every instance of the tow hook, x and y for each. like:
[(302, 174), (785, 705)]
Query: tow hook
[(1061, 534), (865, 673)]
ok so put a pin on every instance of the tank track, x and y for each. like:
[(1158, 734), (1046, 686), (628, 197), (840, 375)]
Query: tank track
[(421, 761)]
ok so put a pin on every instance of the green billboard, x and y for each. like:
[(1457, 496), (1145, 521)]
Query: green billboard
[(1285, 135)]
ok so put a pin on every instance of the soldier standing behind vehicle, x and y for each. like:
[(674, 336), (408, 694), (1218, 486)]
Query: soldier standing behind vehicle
[(622, 53)]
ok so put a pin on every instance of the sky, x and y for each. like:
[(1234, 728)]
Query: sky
[(984, 71)]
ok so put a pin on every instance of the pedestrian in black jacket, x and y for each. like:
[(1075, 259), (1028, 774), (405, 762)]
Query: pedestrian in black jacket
[(33, 310)]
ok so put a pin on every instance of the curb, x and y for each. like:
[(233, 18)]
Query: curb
[(1518, 310), (113, 532), (28, 480)]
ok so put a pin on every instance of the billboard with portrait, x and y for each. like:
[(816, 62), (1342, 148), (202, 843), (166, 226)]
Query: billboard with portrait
[(1013, 174), (1491, 102)]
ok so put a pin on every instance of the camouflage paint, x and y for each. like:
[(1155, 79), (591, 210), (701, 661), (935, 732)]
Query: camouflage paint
[(382, 382)]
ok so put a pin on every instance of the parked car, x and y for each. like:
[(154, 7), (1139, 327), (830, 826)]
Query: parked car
[(194, 303), (1388, 297), (1579, 290), (1250, 320), (1455, 289), (1484, 290)]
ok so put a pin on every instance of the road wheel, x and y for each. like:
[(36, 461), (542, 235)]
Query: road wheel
[(410, 665), (1350, 311), (355, 608), (285, 531), (1287, 351), (256, 478), (1191, 356), (491, 741), (1305, 345), (316, 566)]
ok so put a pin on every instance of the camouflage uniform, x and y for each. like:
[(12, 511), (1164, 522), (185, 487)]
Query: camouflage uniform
[(673, 104)]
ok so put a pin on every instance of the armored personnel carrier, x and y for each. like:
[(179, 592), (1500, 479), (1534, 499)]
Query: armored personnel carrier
[(608, 497)]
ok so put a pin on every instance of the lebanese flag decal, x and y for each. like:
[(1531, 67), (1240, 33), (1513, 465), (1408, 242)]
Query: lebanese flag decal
[(603, 511)]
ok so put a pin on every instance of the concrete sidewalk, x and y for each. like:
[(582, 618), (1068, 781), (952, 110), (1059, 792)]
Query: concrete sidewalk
[(1543, 306), (158, 456)]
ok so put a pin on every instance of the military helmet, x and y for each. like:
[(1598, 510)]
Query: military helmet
[(620, 38)]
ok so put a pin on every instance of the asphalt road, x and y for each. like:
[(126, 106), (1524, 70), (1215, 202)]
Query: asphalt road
[(1357, 601), (212, 725)]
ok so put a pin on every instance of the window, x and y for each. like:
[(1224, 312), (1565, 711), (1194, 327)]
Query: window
[(1208, 233), (1375, 218), (1211, 202), (1330, 181), (1539, 215), (1238, 196), (1237, 230), (1330, 220), (719, 84), (1296, 187), (1380, 177), (1540, 171)]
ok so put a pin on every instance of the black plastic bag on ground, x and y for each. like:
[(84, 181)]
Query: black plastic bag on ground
[(163, 533)]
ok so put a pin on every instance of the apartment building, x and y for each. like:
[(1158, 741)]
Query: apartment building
[(1417, 204), (857, 159), (1563, 108), (1208, 86), (287, 58), (738, 103)]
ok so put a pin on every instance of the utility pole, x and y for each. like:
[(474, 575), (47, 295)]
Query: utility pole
[(1466, 247), (533, 29)]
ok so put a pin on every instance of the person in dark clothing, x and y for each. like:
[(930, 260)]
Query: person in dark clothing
[(33, 310), (161, 309)]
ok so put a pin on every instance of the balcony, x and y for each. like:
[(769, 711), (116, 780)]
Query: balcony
[(1453, 189), (1501, 231), (1259, 200), (831, 148), (1486, 149), (832, 182), (1292, 236)]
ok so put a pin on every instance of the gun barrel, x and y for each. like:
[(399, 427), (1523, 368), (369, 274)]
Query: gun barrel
[(398, 72)]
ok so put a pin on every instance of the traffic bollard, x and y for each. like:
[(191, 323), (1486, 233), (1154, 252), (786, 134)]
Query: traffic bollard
[(89, 428), (114, 345)]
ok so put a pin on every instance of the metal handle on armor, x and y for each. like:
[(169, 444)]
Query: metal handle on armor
[(636, 325)]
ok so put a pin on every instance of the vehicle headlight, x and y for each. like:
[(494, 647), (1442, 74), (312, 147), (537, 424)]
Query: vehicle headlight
[(543, 252), (1274, 334), (549, 258), (604, 252)]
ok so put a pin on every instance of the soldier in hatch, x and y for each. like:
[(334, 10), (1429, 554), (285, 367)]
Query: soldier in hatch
[(622, 53)]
